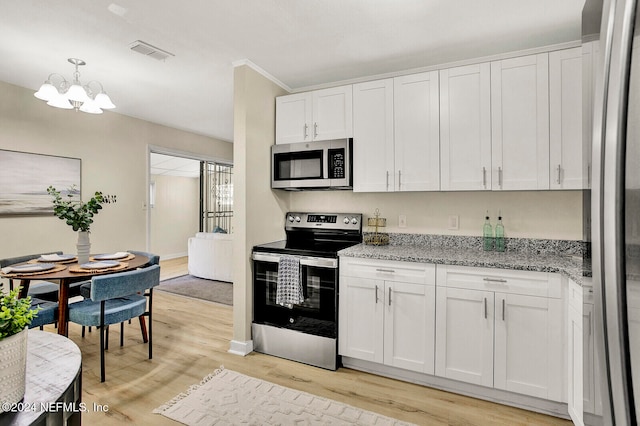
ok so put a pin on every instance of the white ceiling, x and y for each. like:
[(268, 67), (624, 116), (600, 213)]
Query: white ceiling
[(168, 165), (302, 43)]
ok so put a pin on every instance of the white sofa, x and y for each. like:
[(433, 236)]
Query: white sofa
[(210, 256)]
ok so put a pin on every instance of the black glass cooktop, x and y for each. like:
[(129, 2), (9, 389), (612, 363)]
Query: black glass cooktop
[(305, 248)]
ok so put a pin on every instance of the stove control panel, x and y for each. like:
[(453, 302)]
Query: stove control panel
[(340, 221)]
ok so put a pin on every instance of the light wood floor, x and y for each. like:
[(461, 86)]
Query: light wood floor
[(191, 340)]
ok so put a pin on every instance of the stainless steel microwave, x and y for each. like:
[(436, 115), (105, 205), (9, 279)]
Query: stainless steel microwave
[(312, 165)]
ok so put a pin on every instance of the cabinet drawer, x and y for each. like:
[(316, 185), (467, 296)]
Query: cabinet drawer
[(387, 270), (530, 283)]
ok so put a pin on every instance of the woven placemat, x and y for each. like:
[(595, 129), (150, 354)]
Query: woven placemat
[(81, 270), (123, 259), (56, 268)]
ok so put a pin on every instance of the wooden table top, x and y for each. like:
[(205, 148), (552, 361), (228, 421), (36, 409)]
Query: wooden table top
[(67, 274)]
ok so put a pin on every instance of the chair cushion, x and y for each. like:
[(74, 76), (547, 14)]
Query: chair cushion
[(47, 314), (87, 312)]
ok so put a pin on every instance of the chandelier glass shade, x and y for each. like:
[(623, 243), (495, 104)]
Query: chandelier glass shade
[(58, 92)]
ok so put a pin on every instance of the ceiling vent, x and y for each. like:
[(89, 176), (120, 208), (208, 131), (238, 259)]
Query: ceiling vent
[(149, 50)]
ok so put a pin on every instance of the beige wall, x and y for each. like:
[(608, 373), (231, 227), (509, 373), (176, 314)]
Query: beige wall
[(259, 211), (175, 215), (526, 214), (114, 153)]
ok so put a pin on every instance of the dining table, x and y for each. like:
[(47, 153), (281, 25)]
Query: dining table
[(68, 272)]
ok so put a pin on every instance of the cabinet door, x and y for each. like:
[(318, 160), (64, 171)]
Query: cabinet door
[(588, 362), (565, 119), (520, 123), (293, 118), (409, 326), (464, 335), (417, 135), (373, 136), (465, 128), (528, 345), (332, 113), (361, 313), (575, 361)]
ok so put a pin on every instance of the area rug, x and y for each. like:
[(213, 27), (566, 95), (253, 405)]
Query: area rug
[(200, 288), (230, 398)]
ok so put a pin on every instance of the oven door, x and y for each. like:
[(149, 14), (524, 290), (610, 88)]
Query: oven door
[(317, 315)]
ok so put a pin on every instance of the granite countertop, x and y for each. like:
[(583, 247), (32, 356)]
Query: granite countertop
[(571, 266)]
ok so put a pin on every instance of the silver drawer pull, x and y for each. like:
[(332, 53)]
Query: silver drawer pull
[(503, 301), (495, 280), (390, 271), (485, 308)]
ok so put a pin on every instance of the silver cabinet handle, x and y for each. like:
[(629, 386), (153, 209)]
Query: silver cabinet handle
[(500, 177), (387, 180), (399, 179), (315, 130), (559, 172), (485, 308), (376, 294), (495, 280), (306, 130), (484, 177), (389, 296), (391, 271), (590, 325), (589, 175), (503, 302)]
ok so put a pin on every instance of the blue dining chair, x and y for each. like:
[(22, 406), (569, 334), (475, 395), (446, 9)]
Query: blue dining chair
[(48, 313), (85, 291), (114, 299)]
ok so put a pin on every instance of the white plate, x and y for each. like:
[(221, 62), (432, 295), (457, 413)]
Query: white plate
[(103, 264), (111, 256), (35, 267), (56, 257)]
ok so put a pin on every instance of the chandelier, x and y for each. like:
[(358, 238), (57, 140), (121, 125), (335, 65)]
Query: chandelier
[(74, 95)]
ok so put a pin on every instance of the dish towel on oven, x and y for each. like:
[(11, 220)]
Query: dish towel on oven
[(289, 291)]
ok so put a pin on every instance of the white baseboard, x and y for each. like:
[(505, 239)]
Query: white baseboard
[(173, 256), (241, 348)]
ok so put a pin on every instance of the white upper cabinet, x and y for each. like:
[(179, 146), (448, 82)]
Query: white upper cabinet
[(565, 119), (313, 116), (293, 118), (373, 168), (520, 123), (465, 128), (417, 132)]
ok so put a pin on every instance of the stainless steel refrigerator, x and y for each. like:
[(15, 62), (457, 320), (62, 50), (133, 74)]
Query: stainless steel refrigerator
[(615, 210)]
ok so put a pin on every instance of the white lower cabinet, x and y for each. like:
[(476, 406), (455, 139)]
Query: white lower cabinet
[(386, 313), (501, 328)]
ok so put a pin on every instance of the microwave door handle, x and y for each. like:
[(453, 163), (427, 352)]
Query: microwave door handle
[(325, 162)]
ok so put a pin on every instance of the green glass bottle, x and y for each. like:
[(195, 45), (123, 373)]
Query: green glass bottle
[(487, 234), (499, 234)]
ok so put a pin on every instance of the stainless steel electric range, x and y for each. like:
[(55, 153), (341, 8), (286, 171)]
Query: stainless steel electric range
[(305, 332)]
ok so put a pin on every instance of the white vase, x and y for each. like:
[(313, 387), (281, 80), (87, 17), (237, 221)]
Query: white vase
[(83, 246), (13, 367)]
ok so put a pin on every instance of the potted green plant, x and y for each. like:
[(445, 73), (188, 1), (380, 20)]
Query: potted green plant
[(79, 215), (15, 316)]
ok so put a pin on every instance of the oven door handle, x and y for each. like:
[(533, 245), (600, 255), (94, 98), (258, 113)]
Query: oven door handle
[(318, 262)]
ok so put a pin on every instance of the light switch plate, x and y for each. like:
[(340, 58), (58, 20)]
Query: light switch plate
[(454, 222)]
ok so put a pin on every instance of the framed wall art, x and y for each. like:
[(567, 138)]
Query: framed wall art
[(25, 177)]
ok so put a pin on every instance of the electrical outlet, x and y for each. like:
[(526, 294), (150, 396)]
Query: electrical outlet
[(454, 222), (402, 221)]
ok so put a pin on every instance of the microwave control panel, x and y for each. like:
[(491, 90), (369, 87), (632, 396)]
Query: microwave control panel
[(336, 163)]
